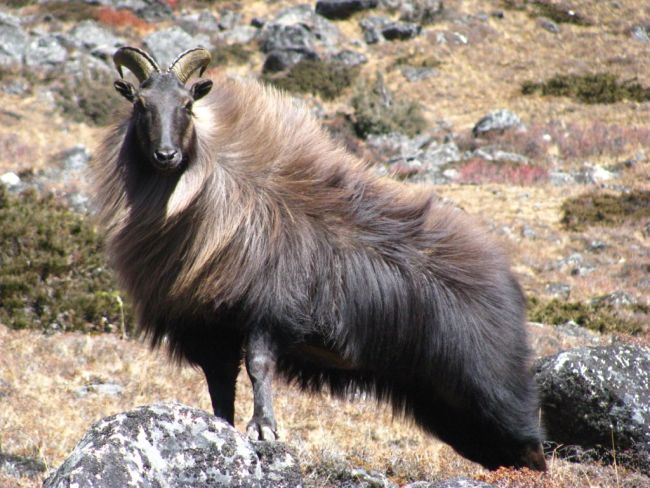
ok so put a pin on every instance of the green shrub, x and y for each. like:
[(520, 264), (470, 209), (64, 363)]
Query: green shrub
[(377, 111), (589, 88), (602, 317), (90, 99), (327, 79), (51, 268), (596, 208)]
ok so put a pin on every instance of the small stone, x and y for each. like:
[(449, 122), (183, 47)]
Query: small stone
[(342, 9), (400, 31), (350, 58), (641, 33), (76, 158), (258, 22), (498, 121), (412, 73), (549, 25), (10, 179), (421, 12), (228, 19), (528, 232)]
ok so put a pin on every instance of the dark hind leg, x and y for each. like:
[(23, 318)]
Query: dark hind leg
[(261, 357)]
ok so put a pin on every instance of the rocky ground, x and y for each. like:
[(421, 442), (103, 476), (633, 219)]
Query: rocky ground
[(531, 114)]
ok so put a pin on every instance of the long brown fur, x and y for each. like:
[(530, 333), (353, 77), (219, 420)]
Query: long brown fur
[(273, 222)]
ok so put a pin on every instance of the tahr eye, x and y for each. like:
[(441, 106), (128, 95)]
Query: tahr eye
[(188, 106)]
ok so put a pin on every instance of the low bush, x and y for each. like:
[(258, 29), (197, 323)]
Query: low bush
[(52, 272), (590, 88), (326, 79), (600, 317), (377, 111), (477, 171), (599, 208)]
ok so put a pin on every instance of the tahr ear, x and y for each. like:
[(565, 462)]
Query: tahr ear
[(201, 88), (125, 89)]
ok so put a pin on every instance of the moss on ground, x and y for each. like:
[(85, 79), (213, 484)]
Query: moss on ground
[(599, 208), (600, 317), (326, 79), (590, 88), (52, 273), (377, 111)]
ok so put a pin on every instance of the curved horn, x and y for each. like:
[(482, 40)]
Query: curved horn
[(188, 62), (135, 60)]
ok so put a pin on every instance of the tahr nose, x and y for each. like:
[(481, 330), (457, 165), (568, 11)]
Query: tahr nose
[(165, 155)]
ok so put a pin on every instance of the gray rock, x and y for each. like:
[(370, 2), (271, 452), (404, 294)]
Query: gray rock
[(615, 299), (559, 290), (46, 52), (548, 25), (325, 34), (412, 73), (493, 153), (400, 31), (166, 44), (281, 60), (228, 19), (201, 21), (499, 120), (441, 154), (592, 397), (342, 9), (296, 37), (240, 34), (421, 11), (87, 34), (372, 27), (350, 58), (13, 41), (75, 158), (169, 444), (641, 33), (19, 466)]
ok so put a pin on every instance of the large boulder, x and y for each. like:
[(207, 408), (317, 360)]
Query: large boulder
[(598, 398), (166, 44), (169, 444), (13, 41)]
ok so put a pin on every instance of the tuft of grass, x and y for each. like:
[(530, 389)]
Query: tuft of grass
[(377, 111), (19, 3), (590, 88), (90, 99), (600, 317), (326, 79), (52, 273), (599, 208), (230, 54)]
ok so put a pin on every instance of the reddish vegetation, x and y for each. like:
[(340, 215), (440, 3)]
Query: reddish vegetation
[(478, 170), (120, 18), (518, 478), (574, 140)]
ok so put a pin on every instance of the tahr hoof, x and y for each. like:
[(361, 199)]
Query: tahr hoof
[(259, 430)]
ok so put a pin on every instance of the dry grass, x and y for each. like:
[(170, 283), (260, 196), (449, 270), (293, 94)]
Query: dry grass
[(43, 417)]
